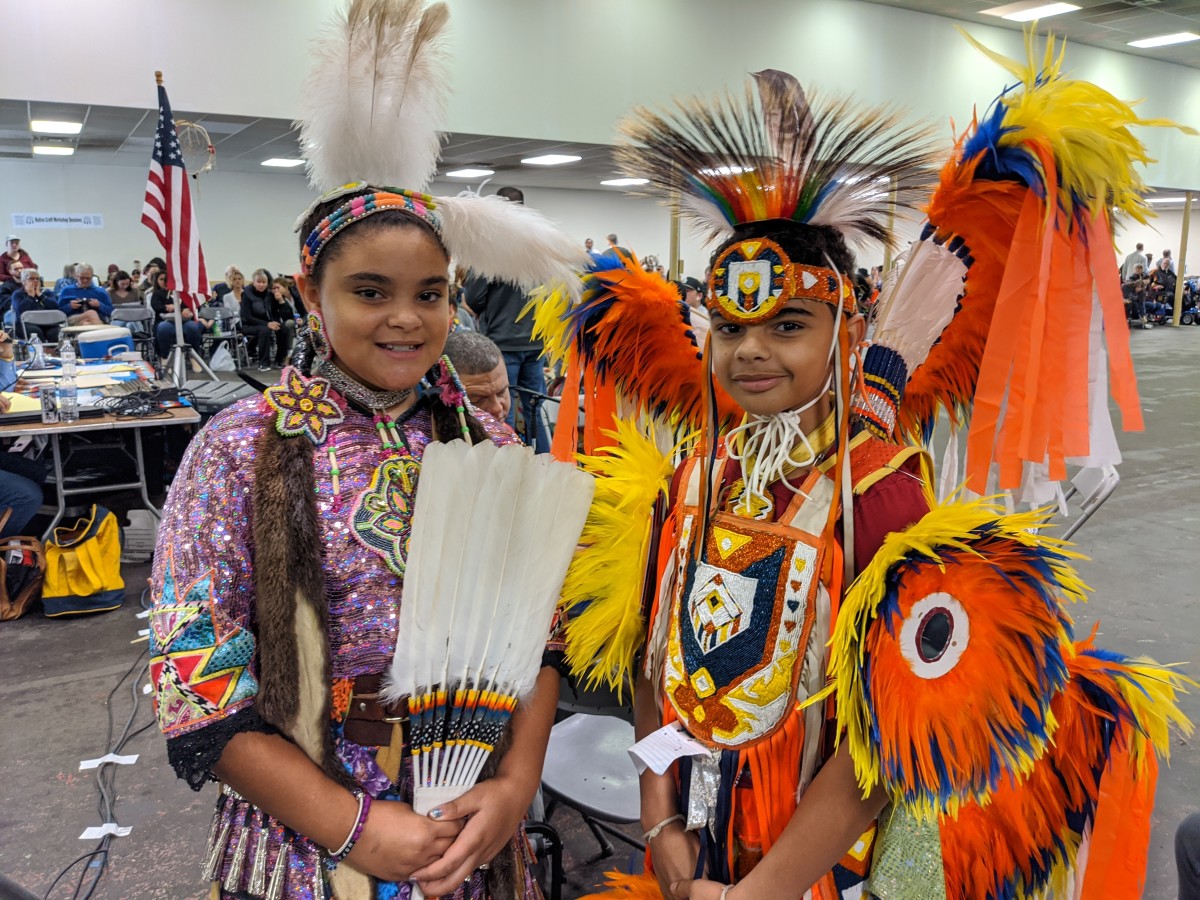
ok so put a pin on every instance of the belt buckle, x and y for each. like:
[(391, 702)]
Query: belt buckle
[(395, 720)]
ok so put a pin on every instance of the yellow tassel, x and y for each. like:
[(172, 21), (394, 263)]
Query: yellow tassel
[(608, 572)]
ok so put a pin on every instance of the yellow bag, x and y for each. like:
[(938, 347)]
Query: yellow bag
[(83, 567)]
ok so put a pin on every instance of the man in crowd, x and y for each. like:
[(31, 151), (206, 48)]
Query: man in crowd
[(83, 297), (614, 248), (480, 367), (14, 255), (1134, 288), (497, 308), (590, 247), (1136, 258), (692, 292), (1170, 262)]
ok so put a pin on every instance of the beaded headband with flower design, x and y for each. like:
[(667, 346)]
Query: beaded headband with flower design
[(753, 280), (359, 207)]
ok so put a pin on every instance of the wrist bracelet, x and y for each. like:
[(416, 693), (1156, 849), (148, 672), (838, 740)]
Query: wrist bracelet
[(657, 829), (360, 822), (725, 891)]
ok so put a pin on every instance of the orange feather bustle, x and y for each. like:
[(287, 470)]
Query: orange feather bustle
[(984, 214)]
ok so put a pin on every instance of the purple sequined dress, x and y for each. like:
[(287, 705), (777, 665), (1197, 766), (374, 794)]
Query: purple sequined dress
[(203, 626)]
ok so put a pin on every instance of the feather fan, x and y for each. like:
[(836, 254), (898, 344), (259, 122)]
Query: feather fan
[(475, 615), (375, 100), (733, 160), (505, 241)]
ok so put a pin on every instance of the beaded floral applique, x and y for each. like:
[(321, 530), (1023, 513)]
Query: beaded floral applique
[(382, 516), (304, 406)]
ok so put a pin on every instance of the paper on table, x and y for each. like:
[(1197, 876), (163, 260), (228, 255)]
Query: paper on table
[(658, 750), (108, 758), (22, 402), (99, 831)]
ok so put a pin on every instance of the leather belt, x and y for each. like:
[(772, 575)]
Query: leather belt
[(370, 721)]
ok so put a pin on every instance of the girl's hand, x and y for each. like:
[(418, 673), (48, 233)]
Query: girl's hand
[(492, 810), (396, 842), (674, 852)]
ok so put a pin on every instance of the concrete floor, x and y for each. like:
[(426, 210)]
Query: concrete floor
[(55, 675)]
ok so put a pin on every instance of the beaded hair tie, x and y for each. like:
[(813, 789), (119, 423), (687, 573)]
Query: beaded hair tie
[(359, 207)]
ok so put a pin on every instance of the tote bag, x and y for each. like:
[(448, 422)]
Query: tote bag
[(22, 567), (83, 567)]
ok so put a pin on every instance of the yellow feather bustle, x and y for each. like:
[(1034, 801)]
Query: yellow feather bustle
[(549, 308), (602, 594), (1085, 128)]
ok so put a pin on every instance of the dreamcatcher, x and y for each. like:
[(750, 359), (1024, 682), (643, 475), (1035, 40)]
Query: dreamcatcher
[(199, 154)]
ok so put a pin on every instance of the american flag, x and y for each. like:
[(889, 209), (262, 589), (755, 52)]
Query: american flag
[(167, 210)]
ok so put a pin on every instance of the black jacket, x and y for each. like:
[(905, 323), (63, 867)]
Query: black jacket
[(260, 308), (496, 305)]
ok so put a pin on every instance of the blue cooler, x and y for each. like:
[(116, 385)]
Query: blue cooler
[(97, 343)]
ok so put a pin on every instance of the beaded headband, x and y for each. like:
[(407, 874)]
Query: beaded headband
[(753, 279), (359, 207)]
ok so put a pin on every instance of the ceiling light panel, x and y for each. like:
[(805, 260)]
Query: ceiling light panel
[(470, 173), (1030, 10), (551, 159), (280, 163), (54, 126), (52, 150), (625, 182), (1165, 40)]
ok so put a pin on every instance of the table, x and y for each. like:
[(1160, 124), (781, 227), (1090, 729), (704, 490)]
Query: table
[(183, 415)]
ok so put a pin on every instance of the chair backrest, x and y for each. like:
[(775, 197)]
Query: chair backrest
[(44, 317), (132, 314)]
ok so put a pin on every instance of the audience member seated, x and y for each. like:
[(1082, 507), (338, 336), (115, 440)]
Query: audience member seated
[(480, 367), (29, 297), (10, 287), (1162, 282), (18, 492), (124, 292), (11, 255), (1135, 289), (67, 280), (162, 301), (83, 302), (260, 320), (228, 293)]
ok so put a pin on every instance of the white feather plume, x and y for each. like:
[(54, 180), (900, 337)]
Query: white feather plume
[(505, 241), (375, 99)]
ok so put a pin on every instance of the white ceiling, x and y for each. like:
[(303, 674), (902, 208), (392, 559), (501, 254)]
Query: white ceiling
[(1110, 24)]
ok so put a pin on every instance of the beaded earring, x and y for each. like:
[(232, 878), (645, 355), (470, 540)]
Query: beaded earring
[(452, 393), (316, 336)]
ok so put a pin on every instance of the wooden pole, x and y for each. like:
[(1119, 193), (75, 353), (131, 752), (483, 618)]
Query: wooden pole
[(893, 188), (675, 266), (1182, 260)]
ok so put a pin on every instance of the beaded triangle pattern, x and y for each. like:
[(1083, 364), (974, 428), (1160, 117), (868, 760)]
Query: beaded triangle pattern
[(304, 405)]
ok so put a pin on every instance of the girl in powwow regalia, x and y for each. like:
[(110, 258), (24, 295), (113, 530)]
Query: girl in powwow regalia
[(281, 558), (964, 737)]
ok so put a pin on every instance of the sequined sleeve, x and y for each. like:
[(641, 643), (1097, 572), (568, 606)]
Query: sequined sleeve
[(202, 646)]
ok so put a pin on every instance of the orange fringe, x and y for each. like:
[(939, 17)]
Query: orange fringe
[(619, 886)]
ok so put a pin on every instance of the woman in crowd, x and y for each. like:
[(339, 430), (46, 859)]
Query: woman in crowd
[(30, 297), (228, 293), (260, 321), (285, 314), (123, 292)]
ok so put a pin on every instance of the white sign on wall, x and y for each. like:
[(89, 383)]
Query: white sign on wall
[(57, 220)]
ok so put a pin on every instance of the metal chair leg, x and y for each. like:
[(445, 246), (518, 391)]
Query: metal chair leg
[(554, 848)]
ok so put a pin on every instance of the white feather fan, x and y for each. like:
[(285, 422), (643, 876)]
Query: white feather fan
[(493, 533), (375, 99)]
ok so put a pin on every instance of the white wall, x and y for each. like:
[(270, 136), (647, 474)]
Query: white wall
[(569, 69)]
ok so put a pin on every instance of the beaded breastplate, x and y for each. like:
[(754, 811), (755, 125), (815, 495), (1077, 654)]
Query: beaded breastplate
[(743, 615)]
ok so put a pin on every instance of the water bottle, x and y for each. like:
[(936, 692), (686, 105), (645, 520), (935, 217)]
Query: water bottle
[(37, 353), (68, 394)]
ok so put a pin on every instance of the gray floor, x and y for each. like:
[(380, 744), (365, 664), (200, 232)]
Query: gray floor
[(55, 675)]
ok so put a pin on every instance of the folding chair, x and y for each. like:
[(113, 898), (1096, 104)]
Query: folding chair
[(1089, 489), (140, 322), (226, 322), (43, 318)]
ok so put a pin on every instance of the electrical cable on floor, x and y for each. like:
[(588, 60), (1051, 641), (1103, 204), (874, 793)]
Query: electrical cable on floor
[(106, 777)]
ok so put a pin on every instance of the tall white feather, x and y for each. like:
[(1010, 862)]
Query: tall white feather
[(375, 100), (504, 241)]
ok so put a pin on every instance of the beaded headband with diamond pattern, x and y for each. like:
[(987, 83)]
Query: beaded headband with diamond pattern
[(753, 279), (359, 207)]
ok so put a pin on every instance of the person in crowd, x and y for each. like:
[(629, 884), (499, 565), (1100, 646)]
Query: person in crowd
[(66, 280), (84, 302), (149, 274), (1187, 857), (497, 306), (481, 369), (19, 494), (1169, 261), (692, 292), (10, 287), (228, 293), (285, 314), (862, 291), (1162, 285), (1135, 289), (32, 296), (13, 254), (1134, 259), (614, 247), (163, 301), (113, 269), (124, 292), (590, 247), (460, 318), (260, 321)]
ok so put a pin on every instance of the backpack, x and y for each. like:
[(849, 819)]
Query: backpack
[(83, 567), (22, 567)]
